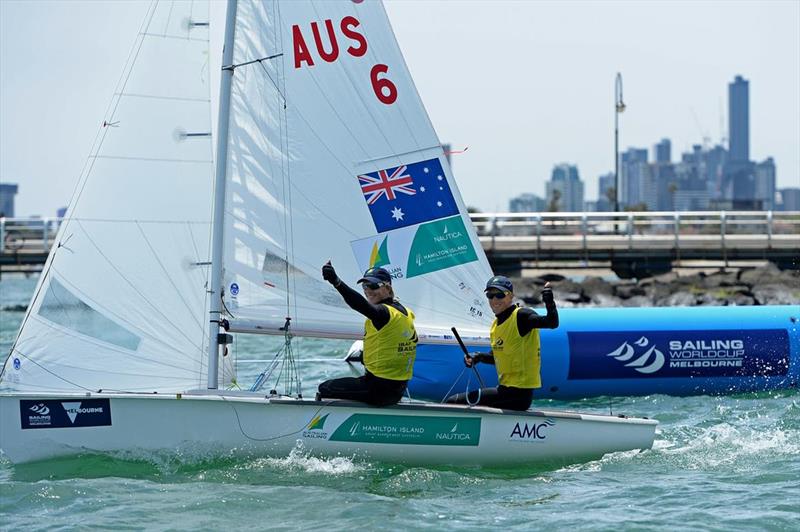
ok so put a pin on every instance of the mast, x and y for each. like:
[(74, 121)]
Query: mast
[(215, 307)]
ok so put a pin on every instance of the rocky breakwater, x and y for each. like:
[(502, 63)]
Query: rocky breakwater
[(755, 286)]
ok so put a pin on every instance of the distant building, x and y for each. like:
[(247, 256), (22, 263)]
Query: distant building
[(691, 200), (527, 203), (691, 190), (636, 182), (739, 120), (7, 193), (605, 193), (662, 151), (565, 189), (790, 199), (764, 185)]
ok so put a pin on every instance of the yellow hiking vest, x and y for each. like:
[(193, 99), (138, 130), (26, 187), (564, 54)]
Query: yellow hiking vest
[(390, 352), (517, 358)]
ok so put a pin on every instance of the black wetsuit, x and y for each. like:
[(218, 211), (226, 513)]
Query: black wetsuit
[(369, 388), (509, 397)]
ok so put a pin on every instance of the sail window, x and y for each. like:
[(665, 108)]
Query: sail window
[(64, 308)]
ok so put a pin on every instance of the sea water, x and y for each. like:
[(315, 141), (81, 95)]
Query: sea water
[(718, 463)]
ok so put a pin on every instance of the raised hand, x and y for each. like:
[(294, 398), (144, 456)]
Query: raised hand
[(329, 273)]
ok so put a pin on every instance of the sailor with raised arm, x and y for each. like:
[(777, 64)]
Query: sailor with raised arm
[(390, 342), (516, 351)]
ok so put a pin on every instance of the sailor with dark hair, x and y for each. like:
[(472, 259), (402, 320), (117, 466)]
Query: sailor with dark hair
[(516, 351), (390, 342)]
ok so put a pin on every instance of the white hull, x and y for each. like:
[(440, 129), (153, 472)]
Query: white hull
[(38, 427)]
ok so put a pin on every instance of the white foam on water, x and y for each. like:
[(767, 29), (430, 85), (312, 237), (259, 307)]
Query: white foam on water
[(300, 460), (742, 446)]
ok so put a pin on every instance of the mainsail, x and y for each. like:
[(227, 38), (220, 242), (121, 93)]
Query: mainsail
[(332, 156), (121, 303)]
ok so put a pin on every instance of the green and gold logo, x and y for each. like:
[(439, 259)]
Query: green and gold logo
[(318, 423), (379, 256)]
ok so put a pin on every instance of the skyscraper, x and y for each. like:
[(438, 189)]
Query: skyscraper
[(565, 189), (663, 151), (634, 182), (739, 120)]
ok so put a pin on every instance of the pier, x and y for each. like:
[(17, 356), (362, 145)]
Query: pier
[(632, 244)]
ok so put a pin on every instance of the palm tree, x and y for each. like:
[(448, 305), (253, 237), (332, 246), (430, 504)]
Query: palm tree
[(554, 199)]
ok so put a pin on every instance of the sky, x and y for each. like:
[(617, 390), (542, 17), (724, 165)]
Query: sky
[(525, 85)]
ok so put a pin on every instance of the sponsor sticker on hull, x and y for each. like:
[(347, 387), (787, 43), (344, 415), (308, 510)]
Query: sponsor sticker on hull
[(531, 432), (660, 354), (409, 430), (67, 413)]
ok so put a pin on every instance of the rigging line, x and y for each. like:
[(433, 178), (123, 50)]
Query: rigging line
[(151, 159), (100, 136), (169, 278), (246, 63), (135, 289), (285, 155), (157, 97), (333, 154), (169, 16), (298, 431)]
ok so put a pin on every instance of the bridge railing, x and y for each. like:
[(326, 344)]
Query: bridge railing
[(549, 229), (628, 229), (27, 234)]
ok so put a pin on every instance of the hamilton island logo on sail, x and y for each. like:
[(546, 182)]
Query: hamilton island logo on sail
[(650, 361)]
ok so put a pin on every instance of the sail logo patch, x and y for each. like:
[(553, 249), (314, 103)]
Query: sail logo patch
[(53, 414), (418, 250), (379, 256), (666, 354), (408, 194)]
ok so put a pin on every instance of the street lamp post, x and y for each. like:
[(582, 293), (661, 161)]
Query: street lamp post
[(619, 106)]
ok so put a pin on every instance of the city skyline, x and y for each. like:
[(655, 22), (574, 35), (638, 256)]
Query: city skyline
[(536, 89)]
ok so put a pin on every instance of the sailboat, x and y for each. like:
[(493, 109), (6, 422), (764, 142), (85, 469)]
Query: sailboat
[(182, 235)]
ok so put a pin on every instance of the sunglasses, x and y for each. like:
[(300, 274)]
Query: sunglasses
[(496, 295), (373, 286)]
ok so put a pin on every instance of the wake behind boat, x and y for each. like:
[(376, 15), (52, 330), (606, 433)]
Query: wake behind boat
[(323, 151), (249, 424)]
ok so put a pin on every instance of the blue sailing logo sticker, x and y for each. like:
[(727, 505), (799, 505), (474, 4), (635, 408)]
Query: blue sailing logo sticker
[(651, 361)]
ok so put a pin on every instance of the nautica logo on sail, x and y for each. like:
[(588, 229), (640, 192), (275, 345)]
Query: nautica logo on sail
[(651, 361)]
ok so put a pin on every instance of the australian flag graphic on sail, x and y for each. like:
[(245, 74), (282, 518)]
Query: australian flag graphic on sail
[(407, 195)]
